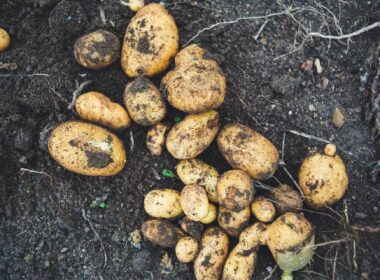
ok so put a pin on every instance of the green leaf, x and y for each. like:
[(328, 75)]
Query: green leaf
[(168, 173), (177, 118), (102, 205)]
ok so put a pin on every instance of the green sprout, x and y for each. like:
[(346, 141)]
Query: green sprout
[(102, 205), (168, 173), (177, 118)]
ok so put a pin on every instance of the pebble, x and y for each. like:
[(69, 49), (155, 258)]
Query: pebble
[(338, 118), (312, 108)]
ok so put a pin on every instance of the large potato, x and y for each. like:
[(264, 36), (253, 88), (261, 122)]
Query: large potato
[(286, 199), (97, 50), (209, 263), (197, 84), (87, 149), (235, 190), (150, 42), (163, 203), (156, 137), (144, 102), (96, 107), (194, 202), (161, 232), (195, 171), (234, 222), (190, 137), (186, 249), (248, 150)]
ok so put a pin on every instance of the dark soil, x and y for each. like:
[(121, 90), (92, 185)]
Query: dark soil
[(43, 232)]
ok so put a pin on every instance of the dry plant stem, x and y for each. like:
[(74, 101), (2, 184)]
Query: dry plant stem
[(345, 36), (36, 172), (132, 144), (23, 75), (271, 273), (366, 228), (261, 29), (76, 92), (334, 264)]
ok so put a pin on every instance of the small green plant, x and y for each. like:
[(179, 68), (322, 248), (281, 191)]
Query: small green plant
[(168, 173), (177, 118)]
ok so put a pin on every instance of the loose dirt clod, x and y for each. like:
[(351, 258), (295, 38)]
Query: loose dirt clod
[(338, 118)]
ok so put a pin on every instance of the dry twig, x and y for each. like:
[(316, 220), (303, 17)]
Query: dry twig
[(76, 92)]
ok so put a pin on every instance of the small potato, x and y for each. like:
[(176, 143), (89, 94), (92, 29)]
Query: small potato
[(5, 40), (213, 252), (263, 209), (211, 216), (235, 190), (197, 84), (136, 5), (150, 42), (248, 150), (194, 202), (96, 107), (97, 50), (144, 102), (161, 232), (286, 199), (186, 249), (195, 171), (87, 149), (156, 137), (234, 222), (193, 228), (190, 137), (163, 203)]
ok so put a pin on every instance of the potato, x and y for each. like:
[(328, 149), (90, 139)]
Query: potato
[(248, 150), (96, 107), (191, 136), (156, 137), (5, 40), (235, 190), (197, 84), (161, 232), (150, 42), (97, 50), (87, 149), (144, 102), (211, 216), (286, 199), (323, 178), (186, 249), (234, 222), (163, 203), (136, 5), (263, 209), (193, 228), (213, 252), (195, 171), (194, 202)]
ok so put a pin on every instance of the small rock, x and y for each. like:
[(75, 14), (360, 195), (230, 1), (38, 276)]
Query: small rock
[(142, 261), (264, 40), (46, 264), (338, 118), (135, 239), (166, 264), (63, 250), (307, 66), (318, 66), (360, 215), (312, 108)]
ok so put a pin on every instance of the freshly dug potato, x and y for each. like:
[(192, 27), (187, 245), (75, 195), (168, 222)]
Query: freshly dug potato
[(213, 252), (193, 228), (323, 178), (263, 209), (195, 171), (235, 190), (96, 107), (156, 137), (286, 199), (194, 202), (248, 150), (197, 84), (97, 50), (211, 216), (191, 136), (144, 102), (163, 203), (150, 42), (5, 40), (234, 222), (87, 149), (186, 249), (161, 232)]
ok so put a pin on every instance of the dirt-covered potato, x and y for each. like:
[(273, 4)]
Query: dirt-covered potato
[(191, 136), (97, 50), (186, 249), (195, 171), (194, 202), (213, 252), (156, 137), (286, 199), (163, 203), (193, 228), (96, 107), (5, 40), (323, 178), (263, 209), (87, 149), (234, 222), (211, 216), (197, 84), (235, 190), (161, 232), (248, 150), (144, 102), (150, 42)]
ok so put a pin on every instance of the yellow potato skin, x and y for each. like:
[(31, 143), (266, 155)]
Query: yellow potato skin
[(5, 40), (197, 84), (156, 137), (144, 102), (191, 136), (161, 232), (96, 107), (211, 216), (186, 249), (163, 203), (194, 202), (97, 50), (234, 222), (150, 42), (263, 209), (248, 150), (87, 149), (286, 199)]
